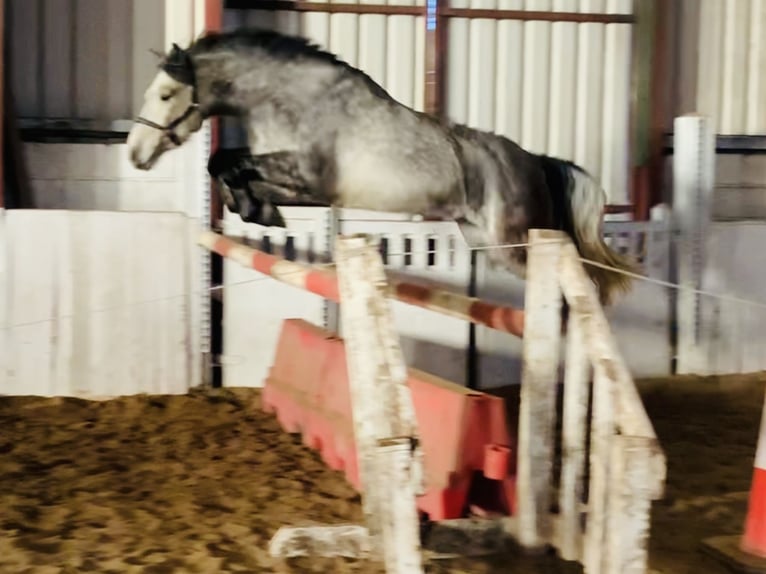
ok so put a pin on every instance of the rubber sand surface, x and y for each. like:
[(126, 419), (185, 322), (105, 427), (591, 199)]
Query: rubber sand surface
[(200, 483)]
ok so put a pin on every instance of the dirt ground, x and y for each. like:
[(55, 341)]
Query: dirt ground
[(200, 483)]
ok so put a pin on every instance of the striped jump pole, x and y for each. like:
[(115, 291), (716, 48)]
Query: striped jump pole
[(323, 281)]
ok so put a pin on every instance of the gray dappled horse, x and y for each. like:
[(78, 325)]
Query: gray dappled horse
[(323, 132)]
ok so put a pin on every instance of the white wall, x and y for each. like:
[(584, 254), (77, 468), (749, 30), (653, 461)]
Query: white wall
[(98, 304), (100, 177), (87, 59), (558, 88), (640, 320), (256, 305), (720, 70), (732, 333)]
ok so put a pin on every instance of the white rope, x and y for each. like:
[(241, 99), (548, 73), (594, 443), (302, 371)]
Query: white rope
[(677, 286)]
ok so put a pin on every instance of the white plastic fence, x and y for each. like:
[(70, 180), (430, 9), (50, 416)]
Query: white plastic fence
[(427, 251)]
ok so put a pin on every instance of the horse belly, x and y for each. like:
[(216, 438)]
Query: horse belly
[(367, 181)]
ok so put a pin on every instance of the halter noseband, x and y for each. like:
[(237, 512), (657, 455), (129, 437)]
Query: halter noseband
[(168, 129)]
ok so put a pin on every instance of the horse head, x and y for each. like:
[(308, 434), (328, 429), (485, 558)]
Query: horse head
[(170, 114)]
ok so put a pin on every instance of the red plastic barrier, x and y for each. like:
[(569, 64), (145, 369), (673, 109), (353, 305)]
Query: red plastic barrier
[(463, 433)]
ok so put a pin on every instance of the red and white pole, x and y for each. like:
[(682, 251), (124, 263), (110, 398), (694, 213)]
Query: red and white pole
[(754, 538)]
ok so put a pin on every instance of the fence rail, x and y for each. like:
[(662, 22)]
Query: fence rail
[(626, 466)]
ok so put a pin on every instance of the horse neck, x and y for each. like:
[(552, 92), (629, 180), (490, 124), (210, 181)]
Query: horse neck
[(240, 83)]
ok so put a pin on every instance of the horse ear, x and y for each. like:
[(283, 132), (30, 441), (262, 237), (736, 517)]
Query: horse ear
[(178, 65)]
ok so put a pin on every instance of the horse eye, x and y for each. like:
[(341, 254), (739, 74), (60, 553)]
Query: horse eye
[(165, 97)]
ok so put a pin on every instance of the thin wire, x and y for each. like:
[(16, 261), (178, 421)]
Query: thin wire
[(677, 286)]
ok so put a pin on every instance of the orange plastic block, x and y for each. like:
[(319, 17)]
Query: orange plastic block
[(467, 449)]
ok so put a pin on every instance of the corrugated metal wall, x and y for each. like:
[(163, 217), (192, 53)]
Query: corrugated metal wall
[(77, 59), (391, 49), (721, 67), (560, 88), (95, 309)]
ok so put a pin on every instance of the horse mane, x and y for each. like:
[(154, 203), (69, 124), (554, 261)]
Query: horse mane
[(278, 45), (275, 43)]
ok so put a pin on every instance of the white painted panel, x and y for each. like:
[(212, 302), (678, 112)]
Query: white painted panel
[(615, 141), (735, 66), (481, 68), (590, 91), (61, 49), (640, 321), (5, 284), (91, 66), (24, 29), (686, 69), (95, 310), (536, 88), (316, 26), (557, 88), (179, 23), (509, 73), (100, 177), (400, 57), (458, 88), (710, 77), (563, 83), (256, 305), (390, 49), (733, 332), (57, 59), (344, 35), (149, 27), (499, 354)]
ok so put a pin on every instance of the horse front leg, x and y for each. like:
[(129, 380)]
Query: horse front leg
[(253, 185), (251, 202)]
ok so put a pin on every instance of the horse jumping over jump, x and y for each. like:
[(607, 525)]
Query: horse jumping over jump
[(323, 132)]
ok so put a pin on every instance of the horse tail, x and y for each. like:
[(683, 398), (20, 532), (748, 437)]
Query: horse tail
[(587, 201)]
